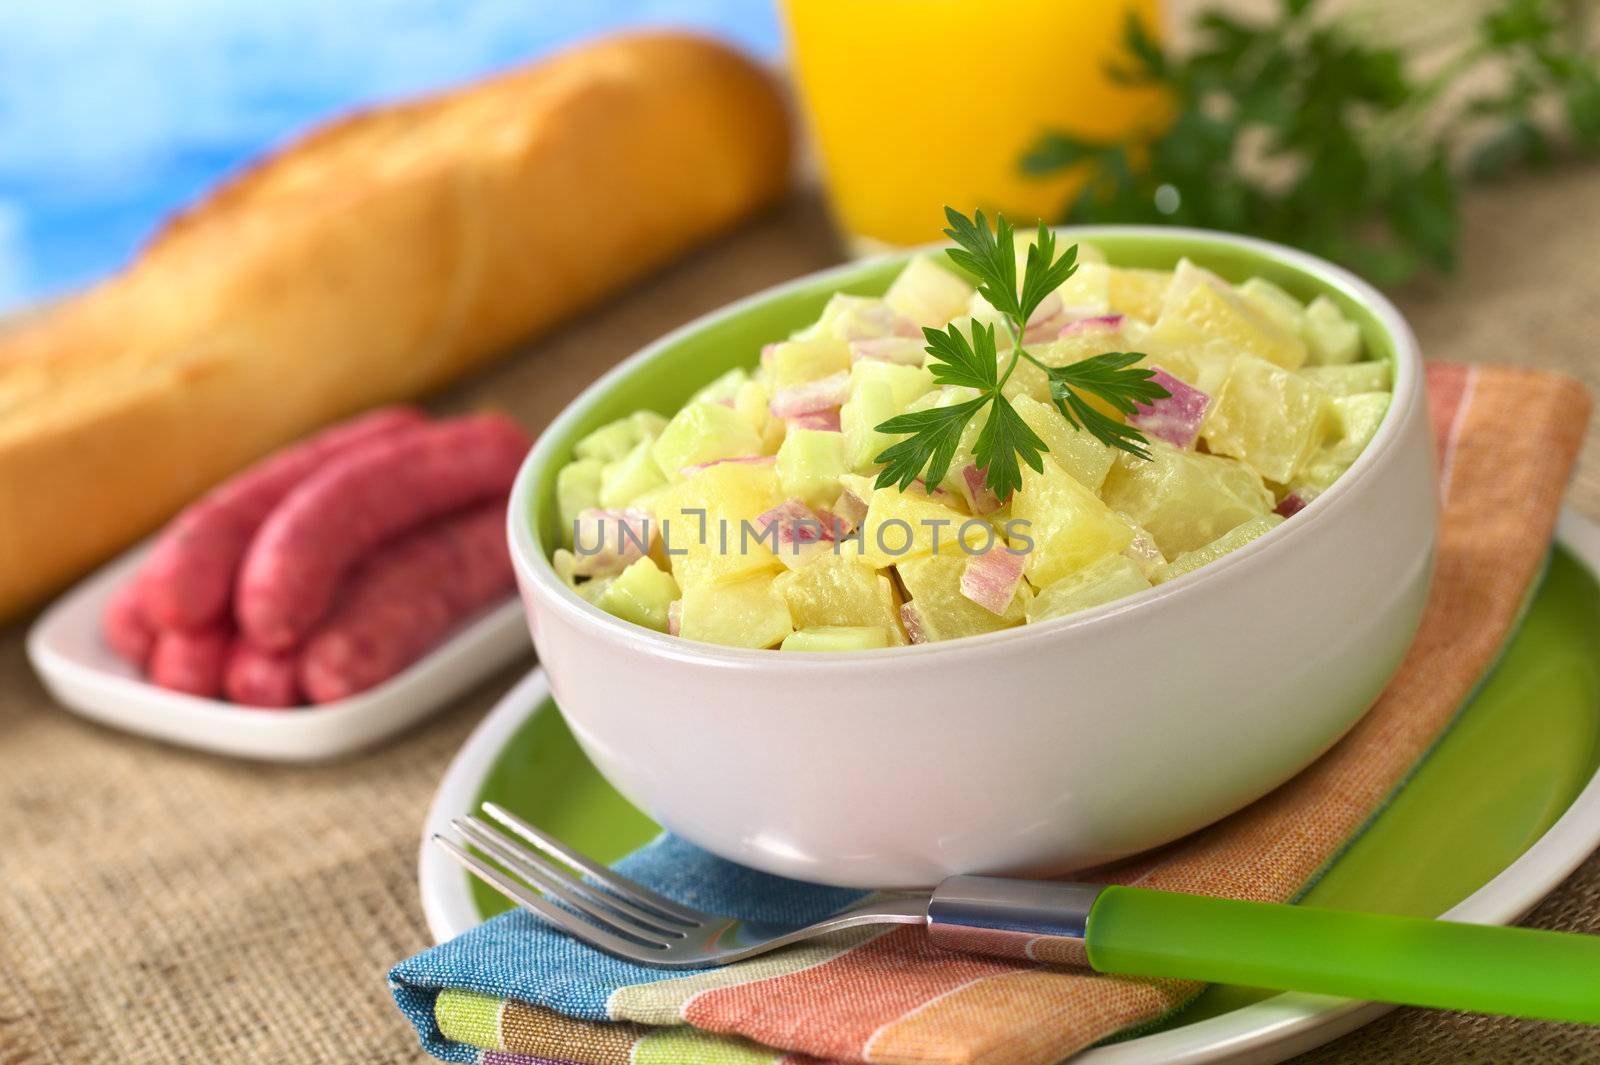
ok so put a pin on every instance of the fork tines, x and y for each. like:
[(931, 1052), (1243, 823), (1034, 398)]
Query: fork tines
[(601, 908)]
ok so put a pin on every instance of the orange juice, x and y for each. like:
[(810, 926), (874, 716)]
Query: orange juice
[(914, 104)]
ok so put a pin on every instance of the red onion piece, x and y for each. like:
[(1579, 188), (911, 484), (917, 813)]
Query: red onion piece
[(1096, 324), (1175, 419), (813, 396), (979, 495), (915, 630), (903, 351), (991, 579), (824, 420), (607, 541), (739, 460)]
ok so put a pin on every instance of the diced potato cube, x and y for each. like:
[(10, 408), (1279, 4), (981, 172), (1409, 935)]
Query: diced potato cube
[(1137, 292), (901, 525), (1351, 379), (742, 613), (640, 594), (577, 489), (1088, 290), (943, 613), (703, 520), (810, 463), (630, 477), (703, 432), (1094, 585), (1232, 540), (1187, 353), (1355, 422), (1143, 551), (1268, 417), (796, 362), (927, 293), (1277, 304), (837, 638), (723, 388), (836, 589), (1073, 449), (1065, 526), (1212, 306), (1332, 339), (1184, 498)]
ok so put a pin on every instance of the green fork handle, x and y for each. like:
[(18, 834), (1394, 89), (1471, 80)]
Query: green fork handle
[(1519, 972), (1133, 931)]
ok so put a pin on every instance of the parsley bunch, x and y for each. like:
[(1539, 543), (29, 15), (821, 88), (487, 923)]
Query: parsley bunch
[(1317, 132), (935, 433)]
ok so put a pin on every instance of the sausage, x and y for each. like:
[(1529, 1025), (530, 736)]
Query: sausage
[(254, 677), (187, 581), (367, 496), (190, 661), (125, 627), (405, 598)]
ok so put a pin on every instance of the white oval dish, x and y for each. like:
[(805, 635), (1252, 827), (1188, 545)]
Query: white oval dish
[(1272, 1030), (83, 674), (1032, 751)]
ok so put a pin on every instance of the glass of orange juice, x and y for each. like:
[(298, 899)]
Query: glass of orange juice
[(914, 104)]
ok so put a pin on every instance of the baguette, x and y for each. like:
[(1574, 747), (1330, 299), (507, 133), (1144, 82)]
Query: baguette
[(371, 262)]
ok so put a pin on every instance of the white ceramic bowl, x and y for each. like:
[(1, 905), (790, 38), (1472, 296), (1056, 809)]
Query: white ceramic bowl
[(1037, 750)]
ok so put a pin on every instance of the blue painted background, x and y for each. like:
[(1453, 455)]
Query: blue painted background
[(115, 112)]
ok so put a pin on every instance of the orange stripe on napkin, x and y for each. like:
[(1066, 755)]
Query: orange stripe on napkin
[(1511, 437)]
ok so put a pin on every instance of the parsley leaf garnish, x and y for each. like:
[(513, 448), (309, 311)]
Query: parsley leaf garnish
[(955, 359)]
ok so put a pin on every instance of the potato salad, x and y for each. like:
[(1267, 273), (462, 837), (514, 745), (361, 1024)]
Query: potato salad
[(751, 517)]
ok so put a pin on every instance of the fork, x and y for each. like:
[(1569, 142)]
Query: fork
[(1109, 928)]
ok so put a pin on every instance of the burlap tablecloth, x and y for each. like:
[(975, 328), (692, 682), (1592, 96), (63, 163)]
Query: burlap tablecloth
[(159, 905)]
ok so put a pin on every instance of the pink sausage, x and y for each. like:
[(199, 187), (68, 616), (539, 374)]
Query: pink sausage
[(253, 677), (190, 661), (187, 582), (405, 598), (367, 496), (126, 629)]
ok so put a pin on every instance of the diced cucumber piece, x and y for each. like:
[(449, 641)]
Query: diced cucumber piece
[(1331, 339), (577, 489), (640, 594), (869, 405), (1100, 582), (837, 638), (1278, 304), (723, 388), (1351, 378), (1355, 422), (703, 432), (591, 590), (1232, 540), (810, 462), (630, 477), (615, 439), (609, 442), (905, 383)]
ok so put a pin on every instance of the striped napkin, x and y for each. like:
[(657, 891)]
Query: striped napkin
[(515, 992)]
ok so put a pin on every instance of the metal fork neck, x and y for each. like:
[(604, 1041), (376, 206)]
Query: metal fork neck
[(1039, 920)]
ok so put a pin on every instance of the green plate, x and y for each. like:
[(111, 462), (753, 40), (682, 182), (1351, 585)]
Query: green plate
[(1512, 764)]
